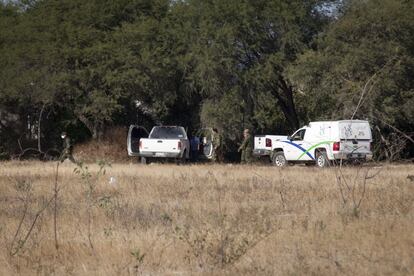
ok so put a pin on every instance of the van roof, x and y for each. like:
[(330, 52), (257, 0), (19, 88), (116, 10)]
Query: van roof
[(338, 121), (342, 121)]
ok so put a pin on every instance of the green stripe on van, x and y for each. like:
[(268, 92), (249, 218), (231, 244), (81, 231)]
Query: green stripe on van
[(314, 146)]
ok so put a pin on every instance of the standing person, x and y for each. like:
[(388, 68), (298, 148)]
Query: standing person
[(194, 147), (67, 149), (216, 142), (246, 147)]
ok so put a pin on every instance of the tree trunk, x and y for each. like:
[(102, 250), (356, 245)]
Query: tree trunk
[(284, 95), (39, 129), (93, 128), (249, 108)]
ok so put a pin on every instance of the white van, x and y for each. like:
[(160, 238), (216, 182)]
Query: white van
[(320, 142)]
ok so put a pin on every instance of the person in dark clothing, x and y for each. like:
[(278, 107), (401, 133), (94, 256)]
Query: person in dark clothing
[(194, 148)]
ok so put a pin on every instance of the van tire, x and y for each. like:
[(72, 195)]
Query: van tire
[(144, 160), (279, 159), (322, 160)]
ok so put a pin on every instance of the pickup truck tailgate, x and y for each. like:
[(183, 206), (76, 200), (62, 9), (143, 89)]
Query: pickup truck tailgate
[(263, 144), (160, 146), (260, 142), (267, 141)]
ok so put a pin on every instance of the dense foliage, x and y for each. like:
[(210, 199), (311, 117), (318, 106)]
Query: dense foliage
[(270, 65)]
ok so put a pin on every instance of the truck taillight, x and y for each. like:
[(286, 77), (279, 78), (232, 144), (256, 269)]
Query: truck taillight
[(140, 144), (336, 146), (179, 145), (268, 143)]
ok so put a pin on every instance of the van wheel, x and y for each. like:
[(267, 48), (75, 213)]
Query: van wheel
[(321, 159), (279, 159), (144, 160)]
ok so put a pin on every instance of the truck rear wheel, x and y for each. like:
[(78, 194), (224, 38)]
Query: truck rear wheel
[(279, 159), (321, 159), (183, 159)]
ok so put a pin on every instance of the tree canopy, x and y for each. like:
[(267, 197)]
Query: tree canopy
[(270, 65)]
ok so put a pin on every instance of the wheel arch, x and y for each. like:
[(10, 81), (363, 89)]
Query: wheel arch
[(274, 151), (322, 149)]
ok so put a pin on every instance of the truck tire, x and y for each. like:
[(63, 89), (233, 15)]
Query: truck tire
[(279, 159), (144, 160), (183, 159), (322, 160)]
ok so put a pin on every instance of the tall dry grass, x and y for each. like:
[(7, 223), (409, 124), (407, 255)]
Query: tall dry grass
[(111, 147), (206, 219)]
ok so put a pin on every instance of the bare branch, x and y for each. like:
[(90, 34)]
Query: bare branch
[(395, 129)]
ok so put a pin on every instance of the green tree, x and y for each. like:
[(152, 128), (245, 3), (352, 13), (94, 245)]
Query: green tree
[(246, 46), (363, 68)]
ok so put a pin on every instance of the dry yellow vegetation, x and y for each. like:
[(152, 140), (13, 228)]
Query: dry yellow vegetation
[(206, 219)]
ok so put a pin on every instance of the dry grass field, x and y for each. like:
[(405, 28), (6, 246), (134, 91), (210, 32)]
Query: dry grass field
[(206, 219)]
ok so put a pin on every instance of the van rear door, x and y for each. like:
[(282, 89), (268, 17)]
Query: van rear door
[(135, 134), (355, 137)]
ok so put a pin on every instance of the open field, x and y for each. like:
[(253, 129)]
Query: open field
[(206, 219)]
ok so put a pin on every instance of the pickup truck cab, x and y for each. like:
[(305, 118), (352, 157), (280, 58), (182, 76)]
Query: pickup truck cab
[(162, 142), (319, 143)]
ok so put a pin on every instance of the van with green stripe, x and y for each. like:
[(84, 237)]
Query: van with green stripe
[(319, 143)]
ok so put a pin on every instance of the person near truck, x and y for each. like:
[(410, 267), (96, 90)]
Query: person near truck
[(246, 147), (216, 142), (195, 147)]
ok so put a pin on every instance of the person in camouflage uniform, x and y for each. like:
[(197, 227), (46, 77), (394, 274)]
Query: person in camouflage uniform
[(246, 147), (216, 141), (67, 149)]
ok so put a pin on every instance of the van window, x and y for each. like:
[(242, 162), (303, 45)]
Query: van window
[(299, 135)]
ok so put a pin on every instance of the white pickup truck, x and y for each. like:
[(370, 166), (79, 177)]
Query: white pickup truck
[(162, 142), (318, 143)]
